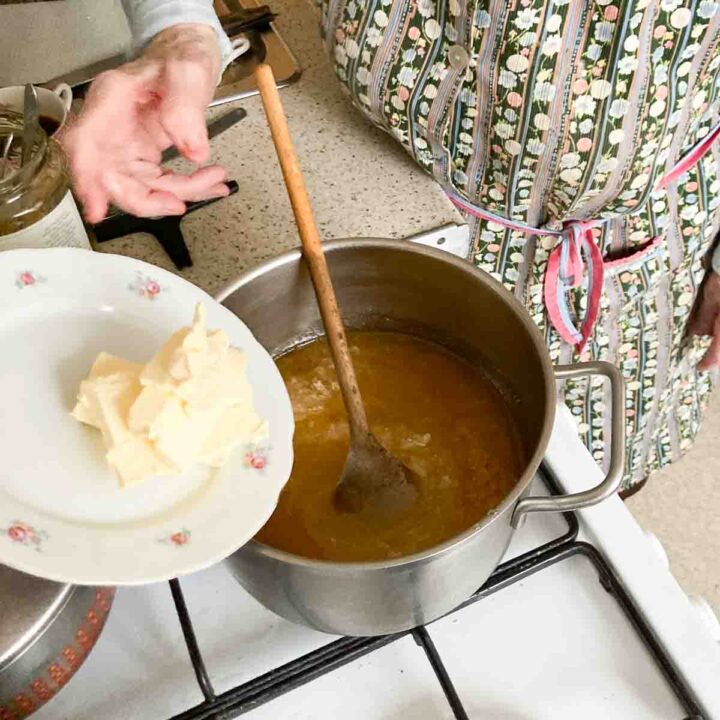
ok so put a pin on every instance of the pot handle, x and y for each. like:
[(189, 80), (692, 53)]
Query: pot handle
[(575, 501)]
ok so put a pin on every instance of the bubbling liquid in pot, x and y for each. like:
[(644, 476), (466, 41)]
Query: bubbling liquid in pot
[(439, 414)]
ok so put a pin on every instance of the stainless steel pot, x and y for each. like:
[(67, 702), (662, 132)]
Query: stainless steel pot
[(47, 630), (401, 286)]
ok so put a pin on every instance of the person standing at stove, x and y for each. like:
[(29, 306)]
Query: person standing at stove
[(578, 138)]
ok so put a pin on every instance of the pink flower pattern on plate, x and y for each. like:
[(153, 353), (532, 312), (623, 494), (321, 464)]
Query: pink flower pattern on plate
[(24, 534), (178, 539), (146, 286), (257, 457), (27, 279)]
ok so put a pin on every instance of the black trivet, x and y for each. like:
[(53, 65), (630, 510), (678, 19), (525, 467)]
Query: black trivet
[(166, 230)]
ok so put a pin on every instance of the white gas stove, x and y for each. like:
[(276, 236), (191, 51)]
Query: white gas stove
[(544, 641)]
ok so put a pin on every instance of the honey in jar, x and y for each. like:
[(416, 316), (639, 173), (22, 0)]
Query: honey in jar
[(37, 209)]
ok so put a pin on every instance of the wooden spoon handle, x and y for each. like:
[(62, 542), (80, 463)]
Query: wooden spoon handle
[(312, 249)]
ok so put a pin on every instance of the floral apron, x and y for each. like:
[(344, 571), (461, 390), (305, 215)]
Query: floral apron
[(578, 138)]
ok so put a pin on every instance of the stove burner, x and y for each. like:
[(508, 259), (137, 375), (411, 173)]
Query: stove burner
[(266, 687), (166, 230)]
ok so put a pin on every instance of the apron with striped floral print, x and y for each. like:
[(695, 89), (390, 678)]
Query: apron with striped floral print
[(578, 138)]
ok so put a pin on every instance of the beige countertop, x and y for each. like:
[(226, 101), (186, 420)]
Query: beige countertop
[(361, 182)]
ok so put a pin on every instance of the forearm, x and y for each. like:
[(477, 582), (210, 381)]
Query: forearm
[(149, 17)]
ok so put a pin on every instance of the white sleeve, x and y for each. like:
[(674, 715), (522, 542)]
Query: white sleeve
[(148, 17)]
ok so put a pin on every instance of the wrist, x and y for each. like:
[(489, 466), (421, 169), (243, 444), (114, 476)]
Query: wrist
[(195, 42), (148, 18)]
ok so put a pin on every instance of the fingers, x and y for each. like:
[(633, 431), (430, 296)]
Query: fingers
[(153, 127), (182, 110), (204, 183), (139, 199), (216, 191), (135, 112), (143, 170), (95, 177), (94, 199), (107, 133), (85, 171), (189, 72), (95, 205)]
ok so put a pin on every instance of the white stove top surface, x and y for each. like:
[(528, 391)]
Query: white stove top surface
[(552, 646)]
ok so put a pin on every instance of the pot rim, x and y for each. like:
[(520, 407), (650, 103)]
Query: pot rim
[(532, 464), (64, 595)]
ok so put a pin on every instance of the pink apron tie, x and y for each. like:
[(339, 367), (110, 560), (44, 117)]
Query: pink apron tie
[(577, 257), (565, 272), (575, 252)]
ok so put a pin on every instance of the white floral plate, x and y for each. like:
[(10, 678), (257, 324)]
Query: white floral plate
[(62, 513)]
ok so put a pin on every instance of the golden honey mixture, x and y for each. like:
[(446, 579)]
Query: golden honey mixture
[(440, 415)]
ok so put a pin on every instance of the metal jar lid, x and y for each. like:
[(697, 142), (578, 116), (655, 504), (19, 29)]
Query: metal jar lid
[(28, 605)]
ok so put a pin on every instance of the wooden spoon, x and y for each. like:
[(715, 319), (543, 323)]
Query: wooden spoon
[(373, 481)]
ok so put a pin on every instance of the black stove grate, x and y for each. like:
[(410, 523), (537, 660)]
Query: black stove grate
[(264, 688)]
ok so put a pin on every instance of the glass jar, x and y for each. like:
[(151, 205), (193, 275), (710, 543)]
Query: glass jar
[(37, 208)]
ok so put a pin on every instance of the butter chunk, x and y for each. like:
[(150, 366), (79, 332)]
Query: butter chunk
[(176, 434), (104, 402), (152, 402), (107, 365), (192, 403), (112, 401), (226, 385), (110, 377), (188, 354), (232, 426), (85, 410), (181, 436), (156, 371), (135, 460)]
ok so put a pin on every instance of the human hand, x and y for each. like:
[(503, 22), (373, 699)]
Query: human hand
[(706, 320), (136, 111)]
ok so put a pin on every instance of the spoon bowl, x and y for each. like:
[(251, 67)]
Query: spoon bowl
[(374, 482)]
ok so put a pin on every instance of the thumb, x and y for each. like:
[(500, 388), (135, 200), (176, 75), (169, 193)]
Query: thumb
[(187, 90)]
